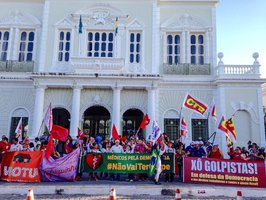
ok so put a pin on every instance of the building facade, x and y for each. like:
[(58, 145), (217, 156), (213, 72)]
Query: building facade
[(110, 62)]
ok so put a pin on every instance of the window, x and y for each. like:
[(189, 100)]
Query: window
[(100, 44), (64, 46), (14, 123), (197, 49), (4, 38), (200, 130), (26, 46), (173, 48), (135, 47), (171, 127)]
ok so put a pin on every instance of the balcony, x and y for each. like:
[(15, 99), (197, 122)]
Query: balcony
[(238, 71), (187, 69), (103, 65), (16, 66)]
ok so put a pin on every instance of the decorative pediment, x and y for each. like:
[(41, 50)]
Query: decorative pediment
[(100, 15), (135, 24), (65, 23), (20, 19), (184, 22)]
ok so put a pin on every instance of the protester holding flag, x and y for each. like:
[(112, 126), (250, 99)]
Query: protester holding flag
[(160, 149)]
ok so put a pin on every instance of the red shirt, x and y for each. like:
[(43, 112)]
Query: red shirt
[(216, 154), (4, 146)]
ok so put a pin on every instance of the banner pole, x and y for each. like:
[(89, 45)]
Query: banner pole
[(214, 137)]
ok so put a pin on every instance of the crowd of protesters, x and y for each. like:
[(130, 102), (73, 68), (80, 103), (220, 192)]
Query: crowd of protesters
[(135, 144)]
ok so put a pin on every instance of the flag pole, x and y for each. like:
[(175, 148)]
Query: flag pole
[(40, 129), (214, 133), (180, 121)]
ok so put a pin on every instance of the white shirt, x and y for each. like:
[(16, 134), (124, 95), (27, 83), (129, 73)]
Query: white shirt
[(16, 147), (117, 149)]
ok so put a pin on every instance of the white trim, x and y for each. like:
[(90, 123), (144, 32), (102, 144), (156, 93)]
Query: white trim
[(214, 44)]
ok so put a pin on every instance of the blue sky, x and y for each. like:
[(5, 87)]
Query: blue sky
[(241, 31)]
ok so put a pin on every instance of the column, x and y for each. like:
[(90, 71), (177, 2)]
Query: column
[(116, 108), (151, 108), (38, 110), (43, 43), (155, 38), (75, 109)]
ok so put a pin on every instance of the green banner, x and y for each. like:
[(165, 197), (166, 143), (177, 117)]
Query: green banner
[(125, 163)]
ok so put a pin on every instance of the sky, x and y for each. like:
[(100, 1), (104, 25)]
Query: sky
[(241, 31)]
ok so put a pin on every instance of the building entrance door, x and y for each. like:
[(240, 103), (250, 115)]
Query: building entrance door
[(96, 121), (131, 121), (61, 117)]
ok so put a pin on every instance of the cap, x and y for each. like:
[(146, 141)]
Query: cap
[(192, 143)]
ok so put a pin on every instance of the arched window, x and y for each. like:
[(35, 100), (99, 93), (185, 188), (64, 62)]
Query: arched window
[(16, 115)]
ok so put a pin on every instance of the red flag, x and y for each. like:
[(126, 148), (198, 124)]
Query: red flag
[(50, 148), (194, 105), (115, 135), (81, 135), (124, 138), (48, 118), (144, 122), (59, 133), (18, 130)]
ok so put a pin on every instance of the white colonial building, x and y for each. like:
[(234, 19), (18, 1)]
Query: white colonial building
[(101, 62)]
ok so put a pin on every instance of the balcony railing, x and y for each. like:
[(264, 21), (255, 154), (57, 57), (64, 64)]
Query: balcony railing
[(187, 69), (238, 71), (16, 66)]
